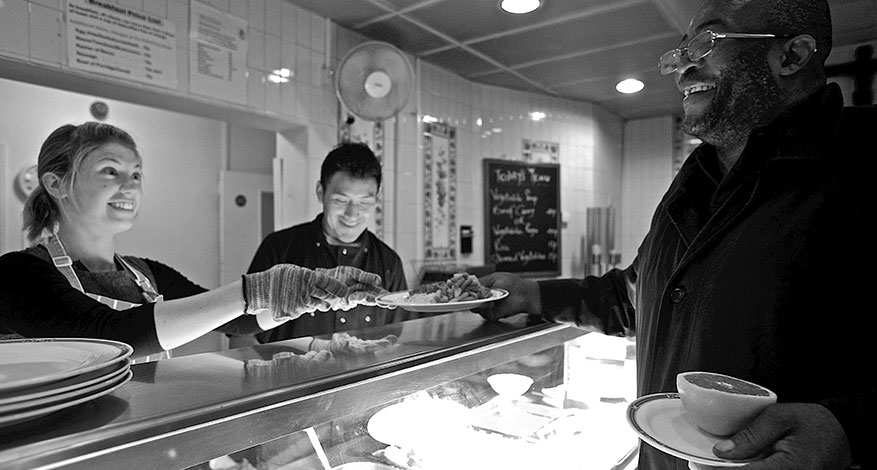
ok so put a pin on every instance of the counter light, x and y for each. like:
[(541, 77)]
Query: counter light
[(630, 85), (519, 7)]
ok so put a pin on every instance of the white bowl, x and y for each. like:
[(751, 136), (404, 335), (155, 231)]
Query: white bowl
[(720, 404), (512, 385)]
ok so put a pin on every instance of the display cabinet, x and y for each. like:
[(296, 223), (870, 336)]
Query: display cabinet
[(425, 401)]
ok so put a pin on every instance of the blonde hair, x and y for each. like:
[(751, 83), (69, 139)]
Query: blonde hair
[(62, 153)]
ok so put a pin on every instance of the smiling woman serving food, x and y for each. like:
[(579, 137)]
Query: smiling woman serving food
[(72, 283)]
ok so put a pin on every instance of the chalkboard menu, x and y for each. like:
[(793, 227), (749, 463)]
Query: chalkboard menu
[(522, 217)]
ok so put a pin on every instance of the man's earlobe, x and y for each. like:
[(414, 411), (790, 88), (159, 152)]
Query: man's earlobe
[(797, 53)]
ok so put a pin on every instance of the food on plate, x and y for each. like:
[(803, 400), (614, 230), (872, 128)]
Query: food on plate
[(459, 288), (720, 404)]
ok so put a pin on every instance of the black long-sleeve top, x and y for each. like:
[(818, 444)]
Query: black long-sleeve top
[(37, 301)]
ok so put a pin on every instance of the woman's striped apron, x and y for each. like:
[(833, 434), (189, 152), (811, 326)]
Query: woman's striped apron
[(65, 265)]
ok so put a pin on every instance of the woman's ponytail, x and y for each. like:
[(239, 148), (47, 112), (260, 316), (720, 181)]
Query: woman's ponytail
[(40, 213)]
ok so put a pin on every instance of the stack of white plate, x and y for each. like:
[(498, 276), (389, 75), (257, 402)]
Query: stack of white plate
[(41, 376)]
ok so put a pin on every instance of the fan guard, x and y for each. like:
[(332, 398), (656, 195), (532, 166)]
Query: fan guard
[(374, 80)]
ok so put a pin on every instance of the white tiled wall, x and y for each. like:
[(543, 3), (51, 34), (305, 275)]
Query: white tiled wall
[(590, 151)]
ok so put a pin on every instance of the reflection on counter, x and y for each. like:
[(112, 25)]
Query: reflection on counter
[(567, 413)]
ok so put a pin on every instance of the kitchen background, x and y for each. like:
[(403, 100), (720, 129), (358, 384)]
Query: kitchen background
[(201, 152)]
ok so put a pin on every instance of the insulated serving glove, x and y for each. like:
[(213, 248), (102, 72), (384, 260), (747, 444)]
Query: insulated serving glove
[(290, 291), (364, 287)]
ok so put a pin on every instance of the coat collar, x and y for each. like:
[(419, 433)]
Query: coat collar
[(802, 132)]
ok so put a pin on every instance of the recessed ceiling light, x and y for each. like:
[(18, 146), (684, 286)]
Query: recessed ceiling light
[(537, 115), (520, 7), (629, 85)]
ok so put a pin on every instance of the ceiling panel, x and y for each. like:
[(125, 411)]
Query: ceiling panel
[(613, 63), (573, 49), (403, 34), (463, 63), (508, 80), (484, 18), (595, 32)]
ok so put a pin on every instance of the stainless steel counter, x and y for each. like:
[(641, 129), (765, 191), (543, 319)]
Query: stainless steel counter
[(184, 411)]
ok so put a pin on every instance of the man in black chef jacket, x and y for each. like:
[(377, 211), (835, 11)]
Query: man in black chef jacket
[(349, 187)]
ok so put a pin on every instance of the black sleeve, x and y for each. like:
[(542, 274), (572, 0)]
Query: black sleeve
[(37, 301), (603, 303)]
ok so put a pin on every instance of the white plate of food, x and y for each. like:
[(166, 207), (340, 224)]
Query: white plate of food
[(404, 299)]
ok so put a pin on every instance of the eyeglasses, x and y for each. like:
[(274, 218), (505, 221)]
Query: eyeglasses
[(701, 45)]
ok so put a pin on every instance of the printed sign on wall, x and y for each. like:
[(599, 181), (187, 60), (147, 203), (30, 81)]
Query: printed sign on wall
[(217, 54), (120, 42)]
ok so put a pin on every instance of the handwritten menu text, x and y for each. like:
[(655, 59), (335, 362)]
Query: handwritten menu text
[(522, 216)]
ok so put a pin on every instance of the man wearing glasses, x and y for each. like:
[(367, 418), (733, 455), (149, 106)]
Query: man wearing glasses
[(350, 181), (743, 270)]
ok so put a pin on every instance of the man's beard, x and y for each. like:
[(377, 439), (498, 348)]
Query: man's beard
[(746, 96)]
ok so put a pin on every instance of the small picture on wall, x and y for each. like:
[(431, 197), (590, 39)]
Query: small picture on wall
[(540, 151)]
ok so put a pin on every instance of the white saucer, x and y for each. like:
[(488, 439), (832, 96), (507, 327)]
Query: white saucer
[(658, 420)]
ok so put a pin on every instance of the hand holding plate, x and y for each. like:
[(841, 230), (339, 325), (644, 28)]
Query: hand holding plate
[(791, 435), (523, 296)]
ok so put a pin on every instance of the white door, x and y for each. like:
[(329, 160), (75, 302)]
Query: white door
[(247, 216)]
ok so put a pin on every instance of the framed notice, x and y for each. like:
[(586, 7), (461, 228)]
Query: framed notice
[(217, 54), (540, 151), (522, 217), (120, 42)]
